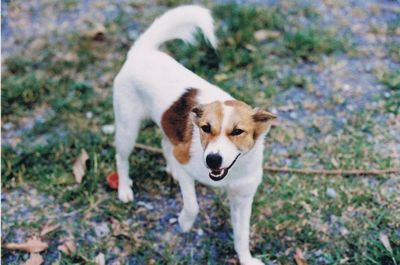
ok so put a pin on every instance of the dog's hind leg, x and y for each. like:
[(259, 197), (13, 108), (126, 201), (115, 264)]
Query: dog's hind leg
[(129, 112)]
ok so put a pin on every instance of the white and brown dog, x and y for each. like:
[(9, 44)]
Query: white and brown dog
[(208, 135)]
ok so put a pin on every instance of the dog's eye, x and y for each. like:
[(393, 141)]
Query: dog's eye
[(237, 132), (206, 128)]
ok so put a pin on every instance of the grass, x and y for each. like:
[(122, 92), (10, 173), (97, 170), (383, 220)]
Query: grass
[(391, 79), (72, 75), (310, 43)]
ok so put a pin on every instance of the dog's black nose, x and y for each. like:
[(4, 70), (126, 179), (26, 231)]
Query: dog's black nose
[(214, 161)]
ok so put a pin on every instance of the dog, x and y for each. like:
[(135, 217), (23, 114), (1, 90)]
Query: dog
[(208, 136)]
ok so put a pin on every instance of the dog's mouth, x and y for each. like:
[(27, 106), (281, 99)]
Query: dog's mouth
[(219, 174)]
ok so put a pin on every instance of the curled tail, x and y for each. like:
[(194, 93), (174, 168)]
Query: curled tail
[(178, 23)]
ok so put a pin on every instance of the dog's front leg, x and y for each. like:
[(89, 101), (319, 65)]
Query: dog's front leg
[(190, 205), (240, 206)]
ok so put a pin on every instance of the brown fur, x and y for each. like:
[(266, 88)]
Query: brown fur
[(211, 114), (177, 125)]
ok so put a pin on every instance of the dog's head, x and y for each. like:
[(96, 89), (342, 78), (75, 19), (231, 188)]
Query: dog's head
[(228, 130)]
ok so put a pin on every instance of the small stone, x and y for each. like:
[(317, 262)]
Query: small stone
[(8, 126), (346, 87), (146, 205), (344, 231), (102, 230), (330, 192), (293, 115), (172, 220), (108, 129), (200, 232), (89, 115)]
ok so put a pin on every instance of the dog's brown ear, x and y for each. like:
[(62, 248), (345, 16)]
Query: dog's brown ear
[(198, 111), (263, 116), (262, 120)]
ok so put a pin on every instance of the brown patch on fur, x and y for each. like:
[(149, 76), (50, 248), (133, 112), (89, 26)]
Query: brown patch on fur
[(210, 114), (237, 104), (241, 119), (252, 121), (177, 125)]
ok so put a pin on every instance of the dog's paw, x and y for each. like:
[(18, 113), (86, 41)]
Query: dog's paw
[(252, 261), (125, 194), (185, 221)]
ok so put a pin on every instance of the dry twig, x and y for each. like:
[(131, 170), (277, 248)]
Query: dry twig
[(354, 172)]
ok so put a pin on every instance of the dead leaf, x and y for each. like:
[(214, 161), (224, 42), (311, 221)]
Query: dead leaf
[(344, 260), (299, 258), (33, 245), (250, 47), (34, 259), (48, 228), (314, 192), (68, 247), (151, 262), (385, 241), (261, 35), (119, 229), (100, 259), (221, 77), (266, 212), (79, 167), (306, 206)]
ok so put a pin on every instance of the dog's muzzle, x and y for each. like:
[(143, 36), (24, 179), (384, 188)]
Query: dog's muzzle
[(219, 174)]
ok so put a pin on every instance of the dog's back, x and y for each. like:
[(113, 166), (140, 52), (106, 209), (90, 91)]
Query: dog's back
[(158, 79)]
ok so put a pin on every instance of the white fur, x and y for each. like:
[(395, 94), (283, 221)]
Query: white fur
[(146, 86), (222, 145)]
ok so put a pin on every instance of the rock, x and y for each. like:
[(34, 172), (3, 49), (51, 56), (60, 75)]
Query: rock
[(293, 115), (343, 231), (146, 205), (102, 230), (8, 126), (89, 115), (330, 192), (108, 128)]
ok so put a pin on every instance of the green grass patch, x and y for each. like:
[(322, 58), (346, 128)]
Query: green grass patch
[(310, 43), (392, 81), (394, 51)]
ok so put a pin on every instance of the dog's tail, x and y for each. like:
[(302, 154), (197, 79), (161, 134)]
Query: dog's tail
[(178, 23)]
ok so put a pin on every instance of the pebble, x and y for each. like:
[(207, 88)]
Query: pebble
[(89, 115), (172, 220), (344, 231), (8, 126), (102, 230), (293, 115), (146, 205), (330, 192), (200, 232), (108, 129)]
